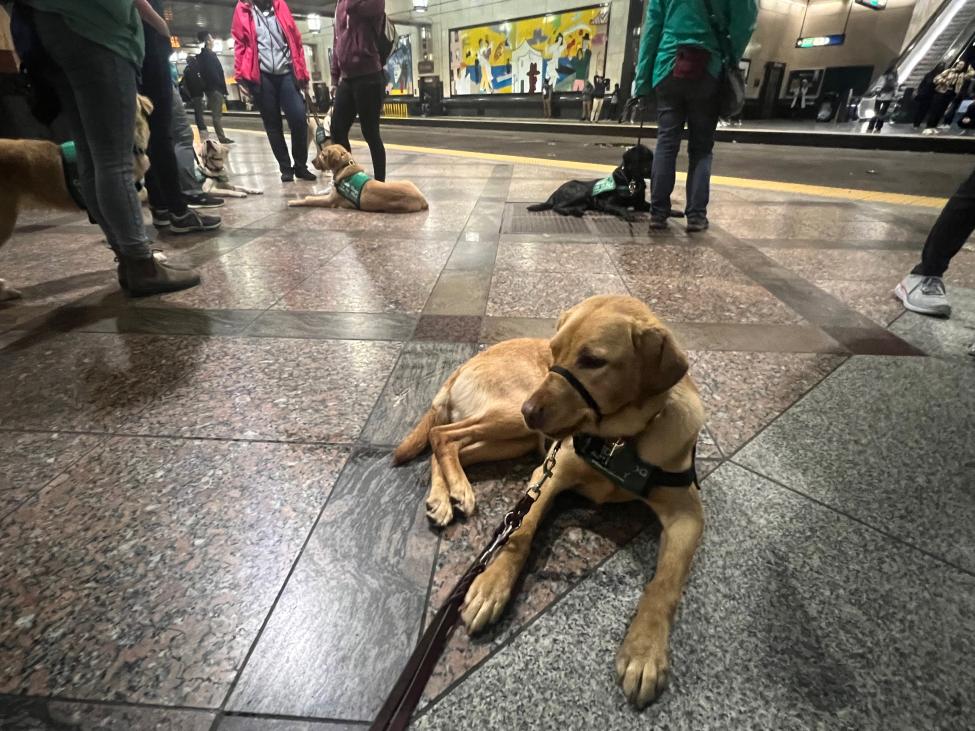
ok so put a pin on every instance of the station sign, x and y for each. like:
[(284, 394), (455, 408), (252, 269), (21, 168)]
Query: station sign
[(819, 41)]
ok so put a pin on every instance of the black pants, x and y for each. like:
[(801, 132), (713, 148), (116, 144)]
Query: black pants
[(162, 180), (201, 122), (939, 105), (921, 107), (880, 108), (277, 93), (950, 231), (364, 96)]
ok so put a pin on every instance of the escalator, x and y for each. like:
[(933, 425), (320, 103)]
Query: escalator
[(944, 38)]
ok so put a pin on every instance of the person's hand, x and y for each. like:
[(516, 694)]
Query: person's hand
[(303, 84)]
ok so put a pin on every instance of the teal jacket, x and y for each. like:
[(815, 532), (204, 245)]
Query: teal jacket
[(673, 23)]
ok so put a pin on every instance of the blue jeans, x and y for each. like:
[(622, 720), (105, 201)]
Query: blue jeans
[(97, 89), (696, 103)]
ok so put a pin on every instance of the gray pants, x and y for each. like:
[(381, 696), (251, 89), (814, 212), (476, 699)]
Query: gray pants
[(215, 100), (185, 155), (97, 89)]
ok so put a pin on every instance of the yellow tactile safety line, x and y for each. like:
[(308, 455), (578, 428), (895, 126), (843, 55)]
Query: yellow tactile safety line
[(821, 191)]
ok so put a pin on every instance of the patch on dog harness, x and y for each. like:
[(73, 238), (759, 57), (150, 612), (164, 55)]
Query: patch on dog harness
[(72, 181), (606, 185), (351, 187), (620, 464)]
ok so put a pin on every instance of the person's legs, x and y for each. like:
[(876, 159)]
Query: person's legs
[(702, 120), (921, 107), (185, 154), (162, 180), (293, 104), (201, 121), (215, 101), (671, 114), (938, 108), (597, 109), (343, 114), (880, 108), (269, 105), (369, 95), (923, 289)]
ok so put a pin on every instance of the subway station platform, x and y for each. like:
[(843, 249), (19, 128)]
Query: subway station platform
[(200, 527)]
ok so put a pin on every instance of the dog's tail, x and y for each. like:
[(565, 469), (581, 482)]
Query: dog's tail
[(418, 439), (546, 206)]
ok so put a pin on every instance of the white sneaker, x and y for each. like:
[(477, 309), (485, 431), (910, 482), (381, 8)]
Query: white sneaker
[(925, 295), (929, 131)]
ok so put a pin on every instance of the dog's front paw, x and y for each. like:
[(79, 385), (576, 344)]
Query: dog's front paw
[(487, 597), (439, 510), (642, 666)]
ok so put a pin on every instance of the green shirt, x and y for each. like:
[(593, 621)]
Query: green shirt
[(671, 24), (114, 24)]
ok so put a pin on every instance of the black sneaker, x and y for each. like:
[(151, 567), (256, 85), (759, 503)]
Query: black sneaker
[(193, 222), (304, 174), (287, 177), (203, 200), (697, 223), (161, 218), (658, 221)]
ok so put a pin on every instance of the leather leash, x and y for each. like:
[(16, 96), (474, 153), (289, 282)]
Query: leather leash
[(398, 709)]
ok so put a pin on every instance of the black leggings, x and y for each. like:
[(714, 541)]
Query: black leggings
[(162, 180), (277, 93), (364, 96)]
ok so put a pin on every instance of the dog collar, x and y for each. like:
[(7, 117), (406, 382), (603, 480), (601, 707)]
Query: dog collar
[(618, 461), (580, 389)]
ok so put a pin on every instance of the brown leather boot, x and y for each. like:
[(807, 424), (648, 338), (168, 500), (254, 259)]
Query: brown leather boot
[(144, 277)]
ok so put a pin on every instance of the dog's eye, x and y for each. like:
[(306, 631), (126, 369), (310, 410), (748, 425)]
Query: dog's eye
[(590, 362)]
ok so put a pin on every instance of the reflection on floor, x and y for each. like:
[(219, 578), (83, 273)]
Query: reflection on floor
[(200, 527)]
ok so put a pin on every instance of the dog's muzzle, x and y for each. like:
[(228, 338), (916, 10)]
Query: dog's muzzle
[(580, 389)]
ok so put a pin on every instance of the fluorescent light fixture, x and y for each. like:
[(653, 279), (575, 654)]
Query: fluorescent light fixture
[(420, 6), (217, 45), (314, 21), (922, 48), (820, 41)]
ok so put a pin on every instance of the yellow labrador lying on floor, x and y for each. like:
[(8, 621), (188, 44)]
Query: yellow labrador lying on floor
[(614, 387), (41, 174), (353, 188)]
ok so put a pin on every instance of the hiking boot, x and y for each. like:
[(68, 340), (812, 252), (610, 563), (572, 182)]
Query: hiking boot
[(193, 222), (658, 221), (123, 280), (305, 174), (161, 217), (925, 295), (697, 223), (203, 200), (144, 277)]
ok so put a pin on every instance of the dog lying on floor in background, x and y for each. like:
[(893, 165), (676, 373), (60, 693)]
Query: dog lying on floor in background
[(352, 187), (617, 193), (613, 384), (214, 165), (41, 174)]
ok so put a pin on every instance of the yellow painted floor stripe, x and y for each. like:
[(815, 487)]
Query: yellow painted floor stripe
[(819, 191)]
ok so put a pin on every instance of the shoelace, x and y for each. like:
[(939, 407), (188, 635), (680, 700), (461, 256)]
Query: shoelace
[(933, 286)]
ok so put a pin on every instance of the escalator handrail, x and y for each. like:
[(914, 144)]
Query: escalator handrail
[(932, 19)]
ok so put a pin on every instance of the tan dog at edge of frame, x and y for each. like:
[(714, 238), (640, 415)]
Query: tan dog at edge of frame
[(637, 373), (377, 197), (32, 176)]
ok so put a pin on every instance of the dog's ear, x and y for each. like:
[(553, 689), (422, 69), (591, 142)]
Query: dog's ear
[(564, 317), (664, 362)]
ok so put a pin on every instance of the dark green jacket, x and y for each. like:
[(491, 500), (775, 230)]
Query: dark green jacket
[(673, 23)]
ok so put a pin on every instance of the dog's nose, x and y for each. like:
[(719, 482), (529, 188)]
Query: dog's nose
[(533, 414)]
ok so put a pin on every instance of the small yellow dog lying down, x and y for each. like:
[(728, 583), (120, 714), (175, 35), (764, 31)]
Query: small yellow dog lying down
[(353, 188)]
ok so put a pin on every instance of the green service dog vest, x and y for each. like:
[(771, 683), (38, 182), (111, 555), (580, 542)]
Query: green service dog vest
[(351, 187)]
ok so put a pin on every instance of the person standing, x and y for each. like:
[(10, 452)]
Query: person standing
[(195, 89), (947, 84), (546, 99), (681, 60), (99, 46), (923, 290), (925, 95), (269, 60), (357, 75), (614, 103), (587, 92), (598, 97), (881, 105), (214, 82)]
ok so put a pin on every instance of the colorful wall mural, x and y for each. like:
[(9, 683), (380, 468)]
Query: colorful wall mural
[(516, 56), (399, 68)]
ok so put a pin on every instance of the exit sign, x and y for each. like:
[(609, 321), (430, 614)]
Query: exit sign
[(873, 4)]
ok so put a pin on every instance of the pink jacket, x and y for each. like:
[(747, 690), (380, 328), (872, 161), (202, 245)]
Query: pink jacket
[(247, 65), (355, 50)]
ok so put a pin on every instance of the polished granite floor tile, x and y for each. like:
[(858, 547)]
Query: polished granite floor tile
[(263, 723), (353, 608), (375, 253), (888, 441), (710, 299), (144, 572), (574, 539), (496, 329), (362, 289), (871, 298), (546, 294), (449, 328), (812, 264), (794, 617), (274, 388), (569, 258), (36, 714), (420, 372), (880, 230), (120, 316), (754, 337), (302, 251), (474, 251), (90, 381), (226, 287), (684, 263), (744, 392), (460, 292), (29, 460), (332, 325), (939, 337), (768, 228)]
